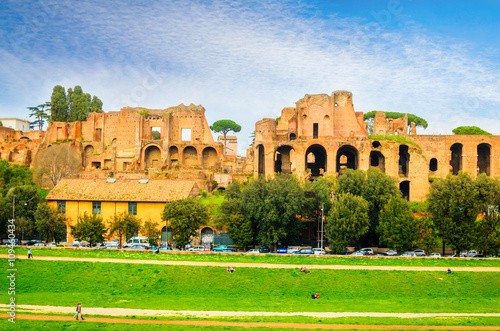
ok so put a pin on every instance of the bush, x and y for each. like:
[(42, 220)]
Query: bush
[(204, 193)]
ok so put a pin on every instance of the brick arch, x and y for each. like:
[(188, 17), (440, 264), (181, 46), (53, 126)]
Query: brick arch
[(189, 156), (347, 158), (484, 159), (152, 156), (282, 159), (316, 160), (88, 151), (209, 157)]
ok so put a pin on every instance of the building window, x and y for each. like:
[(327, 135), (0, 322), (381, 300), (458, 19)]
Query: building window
[(315, 131), (61, 207), (96, 208), (132, 208)]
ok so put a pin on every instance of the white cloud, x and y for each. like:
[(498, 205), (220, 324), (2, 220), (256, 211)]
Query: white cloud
[(247, 60)]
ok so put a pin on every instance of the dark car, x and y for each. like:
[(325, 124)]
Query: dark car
[(32, 242), (264, 249), (304, 251)]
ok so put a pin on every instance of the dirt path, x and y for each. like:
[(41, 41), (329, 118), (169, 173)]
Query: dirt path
[(201, 313), (254, 324), (259, 265)]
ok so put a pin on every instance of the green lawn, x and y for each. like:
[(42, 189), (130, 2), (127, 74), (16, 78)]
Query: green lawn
[(251, 289), (263, 258)]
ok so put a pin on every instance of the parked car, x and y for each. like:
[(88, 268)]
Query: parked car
[(319, 251), (32, 242), (220, 248), (419, 252), (253, 251), (111, 247), (292, 249), (469, 254), (137, 247), (357, 253), (230, 250), (477, 256), (435, 255), (39, 244), (199, 248), (52, 244), (76, 242), (61, 245), (305, 251), (391, 253), (409, 254), (366, 251), (137, 241), (264, 249), (165, 248)]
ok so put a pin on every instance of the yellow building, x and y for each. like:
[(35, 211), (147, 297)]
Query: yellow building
[(144, 198)]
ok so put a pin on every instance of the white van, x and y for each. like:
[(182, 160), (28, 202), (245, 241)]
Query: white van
[(137, 241)]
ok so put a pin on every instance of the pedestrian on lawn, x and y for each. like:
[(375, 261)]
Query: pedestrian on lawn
[(30, 255), (78, 311)]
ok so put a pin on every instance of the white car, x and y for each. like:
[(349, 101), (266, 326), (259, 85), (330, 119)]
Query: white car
[(292, 249), (435, 255), (76, 242), (319, 251), (366, 251), (253, 251), (391, 253), (52, 244)]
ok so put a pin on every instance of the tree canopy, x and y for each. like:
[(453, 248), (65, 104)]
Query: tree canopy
[(56, 162), (225, 126), (185, 217), (40, 114), (470, 130), (50, 224), (124, 225), (58, 105), (75, 105), (89, 227), (420, 122)]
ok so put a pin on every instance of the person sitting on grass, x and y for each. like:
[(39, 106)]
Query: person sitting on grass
[(304, 270), (230, 270)]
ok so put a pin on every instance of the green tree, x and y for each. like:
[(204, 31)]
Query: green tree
[(454, 208), (317, 194), (26, 199), (352, 181), (13, 175), (427, 236), (40, 114), (272, 206), (239, 227), (347, 221), (185, 217), (79, 104), (233, 191), (50, 224), (89, 227), (470, 130), (487, 234), (398, 228), (96, 105), (58, 105), (124, 226), (225, 126), (151, 231), (24, 227)]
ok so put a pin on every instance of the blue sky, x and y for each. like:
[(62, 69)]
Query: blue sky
[(246, 60)]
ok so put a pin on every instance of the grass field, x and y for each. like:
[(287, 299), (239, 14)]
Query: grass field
[(96, 284), (262, 258)]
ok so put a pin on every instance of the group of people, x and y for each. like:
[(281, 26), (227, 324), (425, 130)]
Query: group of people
[(230, 270), (315, 296), (304, 270), (78, 311)]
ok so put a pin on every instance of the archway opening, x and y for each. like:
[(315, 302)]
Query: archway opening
[(152, 157), (347, 158), (189, 156), (207, 236), (260, 160), (404, 187), (433, 164), (483, 159), (173, 151), (376, 144), (404, 160), (282, 160), (316, 160), (293, 136), (209, 157), (377, 160), (88, 152), (456, 158)]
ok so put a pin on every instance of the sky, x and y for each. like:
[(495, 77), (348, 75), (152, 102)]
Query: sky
[(247, 60)]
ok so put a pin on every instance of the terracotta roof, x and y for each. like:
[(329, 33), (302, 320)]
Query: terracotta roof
[(155, 190)]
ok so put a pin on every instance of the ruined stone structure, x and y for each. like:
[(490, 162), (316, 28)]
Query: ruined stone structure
[(323, 135), (19, 146), (138, 139)]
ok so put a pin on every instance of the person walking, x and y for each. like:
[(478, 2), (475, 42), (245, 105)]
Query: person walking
[(78, 311), (30, 255)]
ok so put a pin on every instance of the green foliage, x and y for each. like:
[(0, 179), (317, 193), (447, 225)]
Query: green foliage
[(398, 228), (27, 199), (427, 235), (418, 206), (151, 231), (233, 191), (204, 193), (90, 228), (185, 217), (56, 162), (96, 105), (239, 227), (50, 224), (155, 135), (453, 204), (347, 221), (58, 105), (352, 181), (24, 227), (225, 126), (124, 226), (470, 130), (272, 206), (318, 193), (12, 175), (411, 118), (399, 139), (79, 104), (144, 112), (40, 114)]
